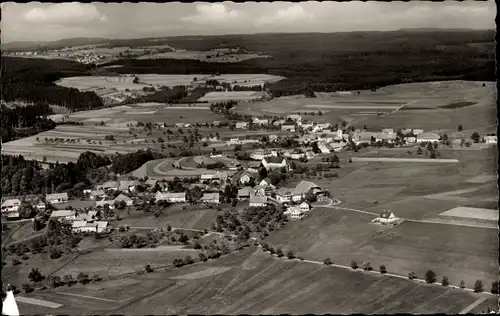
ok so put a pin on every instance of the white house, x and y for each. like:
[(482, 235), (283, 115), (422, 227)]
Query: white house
[(11, 205), (428, 137), (337, 147), (325, 149), (56, 198), (171, 197), (417, 131), (266, 182), (259, 121), (271, 163), (63, 215), (386, 217), (304, 207), (241, 125), (40, 206), (89, 227), (411, 140), (388, 130), (210, 198), (296, 214), (258, 201), (128, 201), (491, 139), (295, 154), (246, 177)]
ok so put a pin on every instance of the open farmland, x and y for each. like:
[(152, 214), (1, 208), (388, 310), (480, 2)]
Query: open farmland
[(431, 106), (205, 56), (253, 282), (232, 95)]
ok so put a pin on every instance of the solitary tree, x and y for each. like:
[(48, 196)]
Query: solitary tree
[(35, 275), (478, 286), (495, 289), (290, 254), (383, 269), (412, 275), (279, 252), (459, 128), (475, 137), (445, 281), (354, 264), (327, 262), (148, 268), (462, 284), (430, 276), (367, 266)]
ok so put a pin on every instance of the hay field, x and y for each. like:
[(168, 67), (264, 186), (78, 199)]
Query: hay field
[(472, 212), (252, 282), (459, 252), (216, 96)]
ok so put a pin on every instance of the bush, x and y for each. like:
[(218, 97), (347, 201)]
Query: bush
[(121, 229), (83, 278), (55, 253), (462, 284), (445, 281), (383, 269), (354, 264), (202, 257), (35, 275), (327, 262), (478, 287), (188, 260), (367, 266), (412, 275), (54, 281), (197, 245), (148, 268), (96, 277), (27, 288), (290, 254), (68, 279), (265, 247), (430, 276), (300, 258), (178, 262), (271, 250)]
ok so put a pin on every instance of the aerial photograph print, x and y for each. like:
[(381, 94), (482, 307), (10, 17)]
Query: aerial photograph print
[(249, 158)]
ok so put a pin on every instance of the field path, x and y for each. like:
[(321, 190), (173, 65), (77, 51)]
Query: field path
[(473, 305), (392, 112)]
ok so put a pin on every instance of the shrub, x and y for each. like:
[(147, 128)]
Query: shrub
[(178, 262), (121, 229), (27, 288), (430, 276), (462, 284), (83, 278), (271, 250), (55, 253), (412, 275), (54, 281), (367, 266), (35, 275), (265, 247), (354, 264), (300, 258), (383, 269), (290, 254), (445, 281), (188, 260), (96, 277), (478, 287), (202, 257), (327, 262), (197, 245), (148, 268), (68, 279)]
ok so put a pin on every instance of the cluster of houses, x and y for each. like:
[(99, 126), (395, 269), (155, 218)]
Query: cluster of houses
[(82, 223)]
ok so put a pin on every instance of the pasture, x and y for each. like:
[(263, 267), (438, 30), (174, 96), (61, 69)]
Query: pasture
[(253, 282)]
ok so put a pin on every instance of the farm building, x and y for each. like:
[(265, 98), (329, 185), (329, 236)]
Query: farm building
[(411, 140), (128, 185), (171, 197), (302, 188), (67, 215), (428, 137), (294, 213), (109, 185), (294, 117), (90, 216), (259, 121), (417, 131), (244, 193), (97, 194), (11, 205), (241, 125), (109, 203), (254, 166), (288, 127), (304, 207), (271, 163), (13, 216), (150, 183), (262, 153), (122, 197), (258, 201), (210, 198), (386, 217), (336, 147), (89, 227), (266, 182), (56, 198), (295, 154), (39, 205), (284, 195)]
